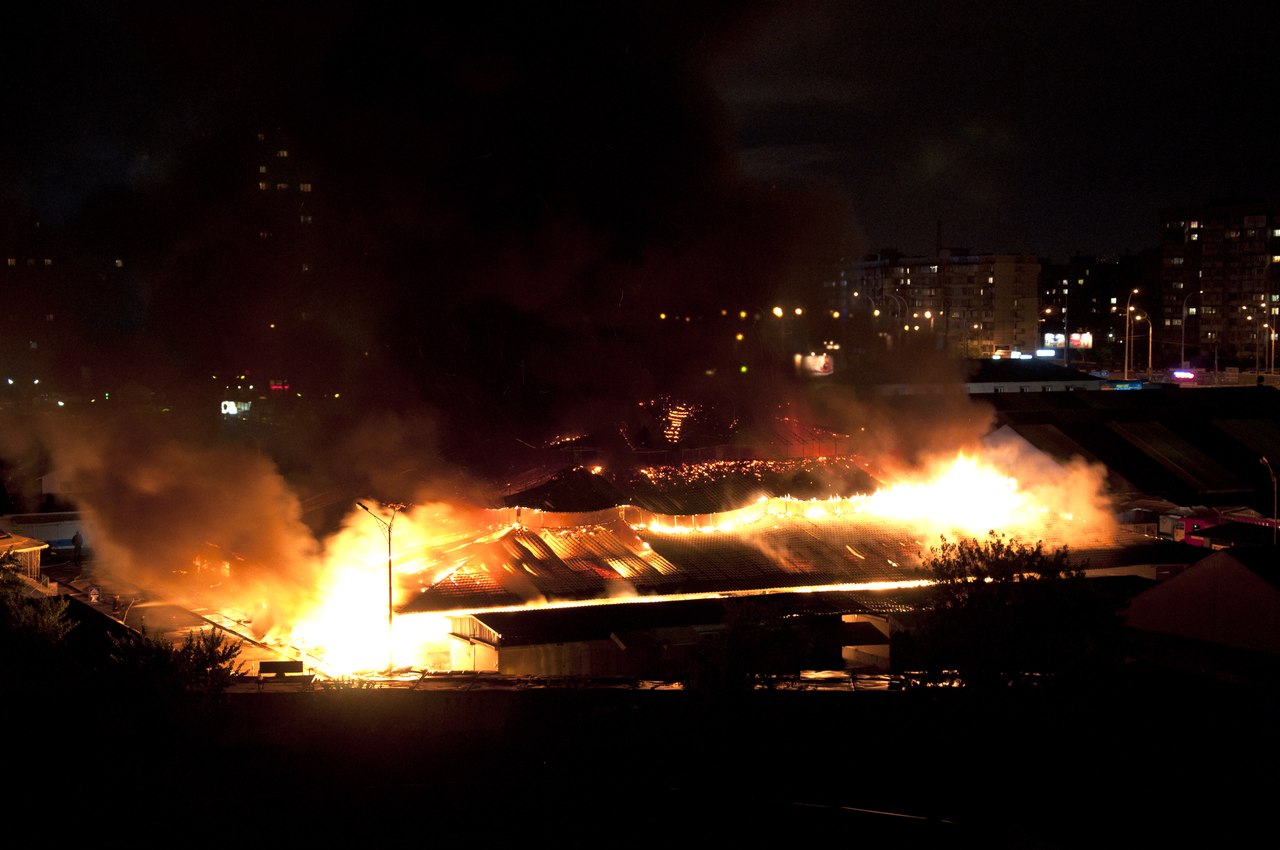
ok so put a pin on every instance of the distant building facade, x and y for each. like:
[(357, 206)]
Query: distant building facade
[(1217, 280), (1085, 297), (973, 305)]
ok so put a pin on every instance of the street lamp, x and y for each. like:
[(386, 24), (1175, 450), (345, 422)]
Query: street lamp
[(1263, 460), (395, 508), (1140, 316), (1128, 326), (899, 310), (1183, 354)]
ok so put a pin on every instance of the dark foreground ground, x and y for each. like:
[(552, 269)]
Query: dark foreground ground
[(1165, 762)]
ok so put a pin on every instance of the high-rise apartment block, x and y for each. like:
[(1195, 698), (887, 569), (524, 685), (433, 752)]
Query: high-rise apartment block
[(1218, 282)]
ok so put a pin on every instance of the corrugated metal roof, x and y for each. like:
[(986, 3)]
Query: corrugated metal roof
[(598, 561)]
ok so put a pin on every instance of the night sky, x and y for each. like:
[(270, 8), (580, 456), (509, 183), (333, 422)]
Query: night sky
[(508, 194)]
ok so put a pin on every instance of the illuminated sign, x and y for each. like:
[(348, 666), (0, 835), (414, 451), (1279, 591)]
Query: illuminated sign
[(1077, 340), (815, 364), (235, 408)]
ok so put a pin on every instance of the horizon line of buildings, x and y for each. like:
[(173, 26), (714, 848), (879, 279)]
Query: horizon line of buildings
[(1204, 293)]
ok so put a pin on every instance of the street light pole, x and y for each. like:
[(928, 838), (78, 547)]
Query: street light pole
[(1183, 355), (1128, 325), (1263, 460), (1143, 316), (386, 529)]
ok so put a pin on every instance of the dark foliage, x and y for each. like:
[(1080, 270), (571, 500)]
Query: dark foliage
[(205, 663), (33, 634), (1006, 613), (44, 648)]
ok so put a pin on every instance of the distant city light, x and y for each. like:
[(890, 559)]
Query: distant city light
[(1184, 375)]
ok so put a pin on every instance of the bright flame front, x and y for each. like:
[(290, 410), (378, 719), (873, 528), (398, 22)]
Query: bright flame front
[(345, 623)]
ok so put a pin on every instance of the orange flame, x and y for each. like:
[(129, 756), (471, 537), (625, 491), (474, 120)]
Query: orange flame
[(1024, 495)]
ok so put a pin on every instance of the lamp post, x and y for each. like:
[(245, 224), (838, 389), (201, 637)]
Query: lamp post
[(1257, 340), (1263, 460), (1183, 354), (1142, 316), (1128, 326), (386, 524), (899, 310)]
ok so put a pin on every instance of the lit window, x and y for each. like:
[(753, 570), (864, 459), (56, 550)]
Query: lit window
[(263, 186), (119, 264), (262, 169), (282, 186), (48, 262), (304, 187), (304, 219), (282, 154), (12, 261)]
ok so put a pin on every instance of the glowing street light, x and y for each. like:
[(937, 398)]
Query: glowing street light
[(386, 524), (1128, 328)]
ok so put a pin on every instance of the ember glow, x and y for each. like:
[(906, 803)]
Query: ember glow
[(964, 496)]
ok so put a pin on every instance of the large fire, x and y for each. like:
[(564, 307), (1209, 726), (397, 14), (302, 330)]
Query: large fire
[(348, 624)]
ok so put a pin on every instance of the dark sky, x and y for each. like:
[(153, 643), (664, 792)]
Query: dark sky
[(1054, 128), (507, 194), (1050, 127)]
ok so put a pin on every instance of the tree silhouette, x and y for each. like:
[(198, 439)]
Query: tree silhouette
[(1003, 612), (204, 663)]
